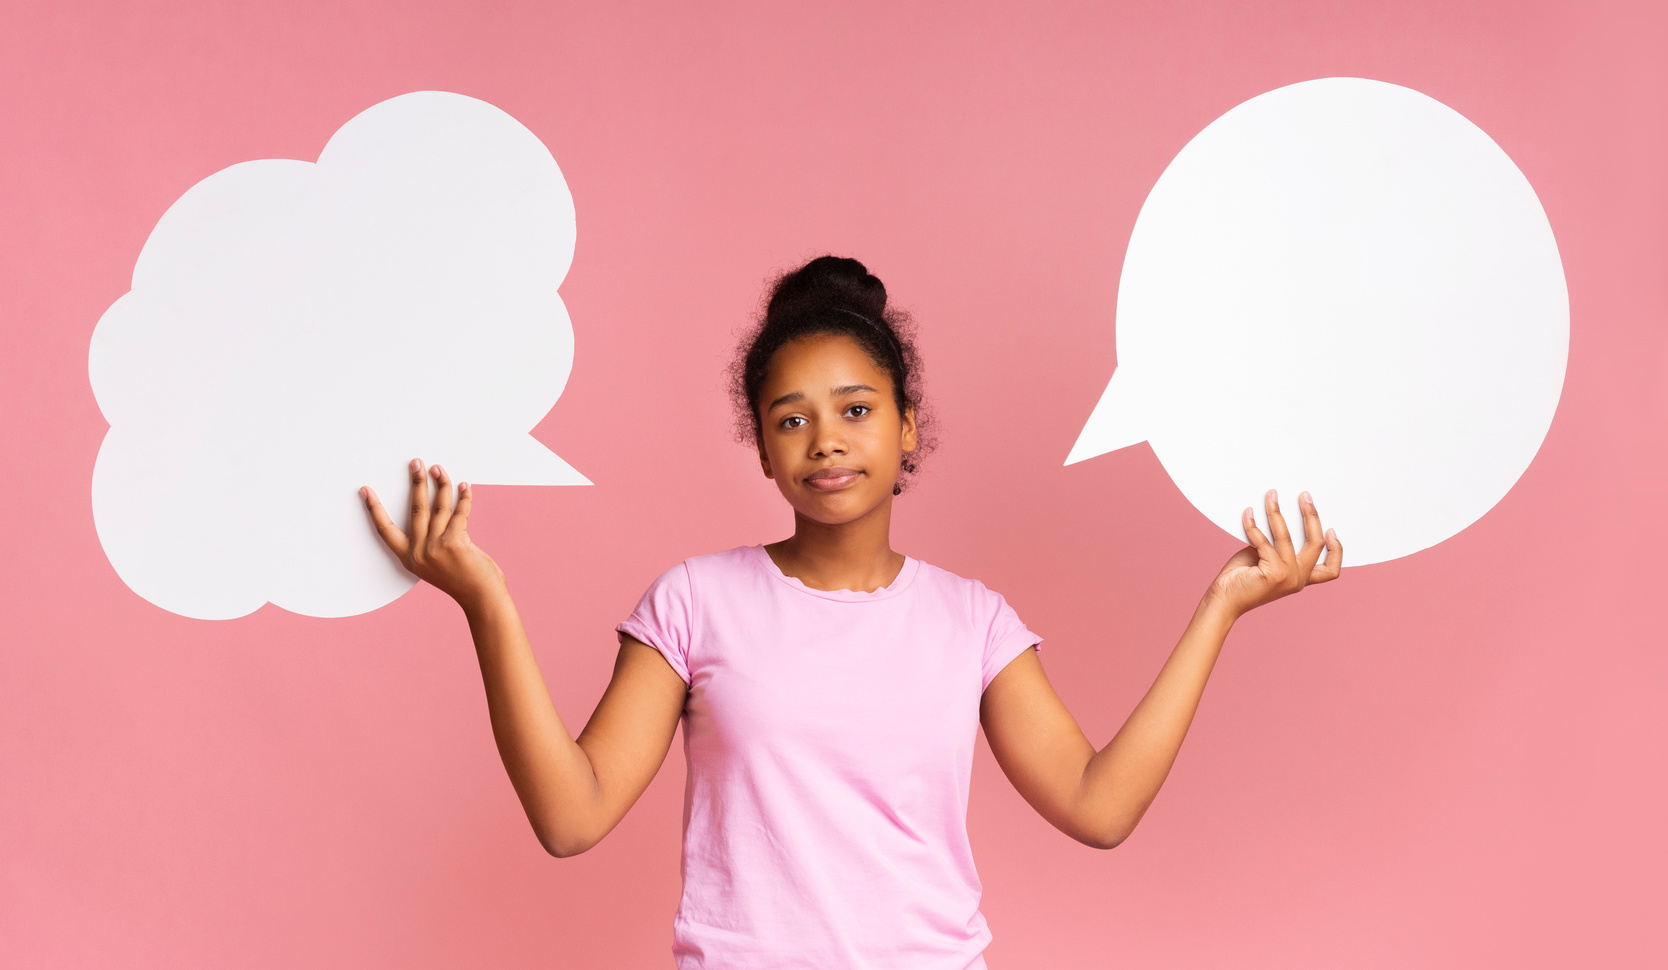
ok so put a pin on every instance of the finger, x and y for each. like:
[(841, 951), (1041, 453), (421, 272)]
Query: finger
[(1254, 535), (1328, 570), (460, 515), (419, 504), (442, 501), (385, 527), (1314, 537), (1277, 530)]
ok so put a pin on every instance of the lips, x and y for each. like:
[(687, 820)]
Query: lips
[(831, 479)]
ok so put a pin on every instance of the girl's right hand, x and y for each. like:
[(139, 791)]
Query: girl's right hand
[(438, 549)]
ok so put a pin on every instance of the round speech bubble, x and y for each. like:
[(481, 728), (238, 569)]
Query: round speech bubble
[(1345, 287)]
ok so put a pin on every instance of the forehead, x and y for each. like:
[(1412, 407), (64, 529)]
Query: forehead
[(818, 362)]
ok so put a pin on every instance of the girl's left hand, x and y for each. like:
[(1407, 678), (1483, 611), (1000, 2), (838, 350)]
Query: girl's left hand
[(1266, 570)]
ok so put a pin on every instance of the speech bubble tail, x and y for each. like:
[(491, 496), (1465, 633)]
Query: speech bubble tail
[(521, 461), (1116, 421)]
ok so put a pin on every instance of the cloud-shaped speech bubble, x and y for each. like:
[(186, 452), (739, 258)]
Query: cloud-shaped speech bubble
[(296, 330), (1342, 286)]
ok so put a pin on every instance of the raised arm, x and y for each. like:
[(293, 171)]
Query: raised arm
[(1097, 797), (574, 790)]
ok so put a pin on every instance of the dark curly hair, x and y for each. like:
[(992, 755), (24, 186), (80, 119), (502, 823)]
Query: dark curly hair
[(832, 295)]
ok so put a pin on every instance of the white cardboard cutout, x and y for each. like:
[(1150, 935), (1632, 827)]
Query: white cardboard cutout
[(296, 330), (1341, 286)]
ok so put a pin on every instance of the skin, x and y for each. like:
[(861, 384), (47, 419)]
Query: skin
[(827, 409)]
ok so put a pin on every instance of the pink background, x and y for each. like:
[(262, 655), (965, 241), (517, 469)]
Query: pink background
[(1451, 760)]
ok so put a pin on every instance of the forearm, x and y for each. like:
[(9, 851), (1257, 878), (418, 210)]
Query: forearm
[(1121, 780), (1097, 797), (551, 774), (573, 790)]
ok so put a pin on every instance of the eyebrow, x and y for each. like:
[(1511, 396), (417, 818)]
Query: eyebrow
[(840, 391)]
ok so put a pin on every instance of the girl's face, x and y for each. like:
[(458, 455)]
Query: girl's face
[(831, 435)]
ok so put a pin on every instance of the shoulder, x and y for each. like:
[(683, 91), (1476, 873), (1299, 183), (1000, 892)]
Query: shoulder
[(728, 559), (725, 566), (943, 582), (710, 573), (741, 557), (1005, 634)]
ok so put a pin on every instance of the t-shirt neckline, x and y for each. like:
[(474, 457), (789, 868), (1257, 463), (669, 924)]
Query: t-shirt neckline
[(899, 583)]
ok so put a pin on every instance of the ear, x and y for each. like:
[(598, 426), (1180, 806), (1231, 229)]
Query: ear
[(909, 439), (764, 462)]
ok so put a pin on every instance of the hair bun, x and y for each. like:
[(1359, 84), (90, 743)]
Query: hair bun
[(825, 283)]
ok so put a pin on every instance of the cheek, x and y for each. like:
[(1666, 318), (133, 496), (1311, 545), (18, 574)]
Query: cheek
[(883, 447)]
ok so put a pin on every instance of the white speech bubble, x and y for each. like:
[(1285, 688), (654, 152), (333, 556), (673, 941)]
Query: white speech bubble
[(1345, 287), (295, 330)]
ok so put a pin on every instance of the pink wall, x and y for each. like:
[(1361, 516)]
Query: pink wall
[(1451, 760)]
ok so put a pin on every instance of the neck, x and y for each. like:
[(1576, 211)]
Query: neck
[(854, 555)]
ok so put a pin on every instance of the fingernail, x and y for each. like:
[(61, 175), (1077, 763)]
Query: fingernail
[(1274, 496), (1306, 499), (415, 464), (463, 486)]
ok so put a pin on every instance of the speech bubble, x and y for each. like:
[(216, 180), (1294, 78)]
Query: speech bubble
[(295, 330), (1341, 286)]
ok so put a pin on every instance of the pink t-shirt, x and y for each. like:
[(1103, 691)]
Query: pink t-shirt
[(829, 736)]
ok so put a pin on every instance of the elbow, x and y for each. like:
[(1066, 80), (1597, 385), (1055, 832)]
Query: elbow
[(563, 845), (565, 848), (1103, 841), (1103, 836), (1107, 826)]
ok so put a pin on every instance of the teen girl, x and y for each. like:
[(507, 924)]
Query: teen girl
[(829, 687)]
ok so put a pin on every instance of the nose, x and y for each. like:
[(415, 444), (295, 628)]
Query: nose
[(827, 444)]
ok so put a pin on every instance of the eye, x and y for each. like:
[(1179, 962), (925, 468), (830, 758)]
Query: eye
[(858, 410), (790, 421)]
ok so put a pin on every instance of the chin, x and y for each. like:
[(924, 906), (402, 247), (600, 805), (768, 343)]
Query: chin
[(836, 509)]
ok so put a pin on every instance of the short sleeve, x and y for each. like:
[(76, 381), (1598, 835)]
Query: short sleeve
[(1007, 637), (665, 618)]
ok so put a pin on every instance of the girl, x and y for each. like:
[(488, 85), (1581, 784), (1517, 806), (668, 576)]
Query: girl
[(829, 687)]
